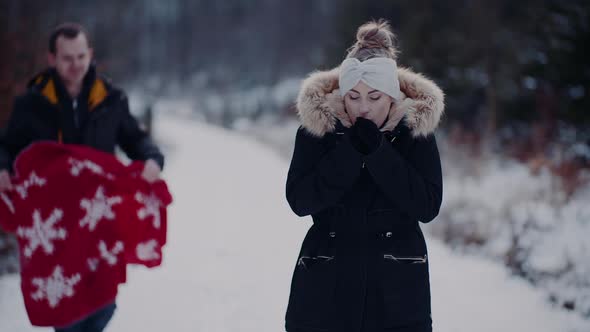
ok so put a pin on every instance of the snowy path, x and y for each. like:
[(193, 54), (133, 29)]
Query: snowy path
[(233, 242)]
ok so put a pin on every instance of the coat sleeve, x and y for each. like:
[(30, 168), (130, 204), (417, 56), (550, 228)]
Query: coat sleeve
[(322, 170), (414, 184), (134, 141), (16, 135)]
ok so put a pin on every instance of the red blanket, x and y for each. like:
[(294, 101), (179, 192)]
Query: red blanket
[(80, 216)]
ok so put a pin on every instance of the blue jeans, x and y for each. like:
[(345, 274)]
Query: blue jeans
[(95, 322)]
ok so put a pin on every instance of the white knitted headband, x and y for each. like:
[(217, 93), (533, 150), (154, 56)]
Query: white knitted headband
[(378, 73)]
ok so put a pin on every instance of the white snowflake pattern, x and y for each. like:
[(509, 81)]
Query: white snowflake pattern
[(55, 287), (33, 180), (42, 232), (8, 202), (79, 165), (110, 256), (146, 251), (97, 208), (151, 207)]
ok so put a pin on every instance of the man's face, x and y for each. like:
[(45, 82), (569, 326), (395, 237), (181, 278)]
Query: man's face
[(71, 59)]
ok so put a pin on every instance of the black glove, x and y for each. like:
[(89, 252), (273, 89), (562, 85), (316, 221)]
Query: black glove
[(355, 141), (365, 136)]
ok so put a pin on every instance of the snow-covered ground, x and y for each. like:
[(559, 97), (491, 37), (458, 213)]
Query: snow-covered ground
[(498, 208), (232, 246)]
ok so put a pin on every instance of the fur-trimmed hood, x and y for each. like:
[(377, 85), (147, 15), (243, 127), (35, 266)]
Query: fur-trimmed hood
[(320, 105)]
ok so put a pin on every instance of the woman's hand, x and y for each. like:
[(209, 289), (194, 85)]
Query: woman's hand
[(365, 136)]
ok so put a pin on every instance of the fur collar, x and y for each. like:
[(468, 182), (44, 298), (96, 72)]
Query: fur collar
[(320, 106)]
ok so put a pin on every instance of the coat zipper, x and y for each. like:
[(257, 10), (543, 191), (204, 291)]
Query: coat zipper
[(365, 274), (76, 115)]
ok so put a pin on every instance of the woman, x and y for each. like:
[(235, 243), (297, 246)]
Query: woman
[(366, 168)]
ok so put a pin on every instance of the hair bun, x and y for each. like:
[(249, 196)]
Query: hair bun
[(375, 34), (373, 39)]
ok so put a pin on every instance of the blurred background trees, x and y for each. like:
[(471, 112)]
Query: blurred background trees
[(516, 74), (500, 62)]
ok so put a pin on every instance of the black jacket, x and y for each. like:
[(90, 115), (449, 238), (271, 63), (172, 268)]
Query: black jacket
[(363, 265), (101, 120)]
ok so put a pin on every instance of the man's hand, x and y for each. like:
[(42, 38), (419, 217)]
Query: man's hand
[(5, 183), (151, 171)]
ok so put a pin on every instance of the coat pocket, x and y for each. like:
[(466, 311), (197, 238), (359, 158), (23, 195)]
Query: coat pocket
[(406, 259), (312, 292), (406, 289), (308, 262)]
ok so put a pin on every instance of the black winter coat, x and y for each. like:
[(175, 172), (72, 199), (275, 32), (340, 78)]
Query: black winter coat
[(102, 119), (363, 265)]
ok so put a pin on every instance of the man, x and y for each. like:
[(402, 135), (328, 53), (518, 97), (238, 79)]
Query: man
[(71, 104)]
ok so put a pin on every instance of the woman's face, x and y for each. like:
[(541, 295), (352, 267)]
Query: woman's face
[(366, 102)]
